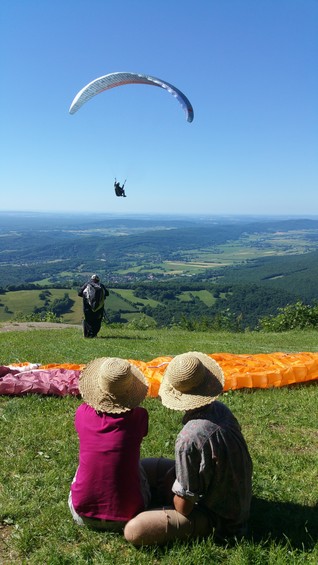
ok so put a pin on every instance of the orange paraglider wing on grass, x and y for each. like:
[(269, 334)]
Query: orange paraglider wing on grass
[(262, 370), (267, 370)]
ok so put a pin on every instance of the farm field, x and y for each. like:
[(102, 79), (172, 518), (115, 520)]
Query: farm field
[(24, 301), (204, 295), (247, 248), (13, 303)]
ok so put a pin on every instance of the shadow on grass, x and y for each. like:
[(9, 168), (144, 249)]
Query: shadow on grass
[(126, 338), (284, 522)]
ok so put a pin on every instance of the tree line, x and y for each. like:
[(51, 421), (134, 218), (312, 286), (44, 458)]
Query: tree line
[(235, 307)]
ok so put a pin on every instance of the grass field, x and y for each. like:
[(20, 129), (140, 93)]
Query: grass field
[(24, 301), (203, 295), (128, 294), (39, 455)]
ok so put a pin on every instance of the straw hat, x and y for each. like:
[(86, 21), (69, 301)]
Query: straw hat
[(112, 385), (191, 380)]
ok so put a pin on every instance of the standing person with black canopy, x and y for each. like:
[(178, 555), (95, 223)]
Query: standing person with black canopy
[(94, 294)]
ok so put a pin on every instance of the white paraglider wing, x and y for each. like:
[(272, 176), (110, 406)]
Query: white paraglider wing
[(113, 80)]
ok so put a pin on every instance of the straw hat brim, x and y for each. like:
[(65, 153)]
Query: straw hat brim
[(102, 401), (208, 390)]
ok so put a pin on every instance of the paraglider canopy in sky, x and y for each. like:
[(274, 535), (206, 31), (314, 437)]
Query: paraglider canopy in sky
[(113, 80)]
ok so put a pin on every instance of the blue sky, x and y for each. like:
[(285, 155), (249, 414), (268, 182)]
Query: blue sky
[(249, 68)]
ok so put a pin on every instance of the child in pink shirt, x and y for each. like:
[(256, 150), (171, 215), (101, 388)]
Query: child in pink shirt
[(110, 487)]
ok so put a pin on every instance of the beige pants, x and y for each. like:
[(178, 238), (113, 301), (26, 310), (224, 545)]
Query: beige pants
[(166, 524), (160, 525)]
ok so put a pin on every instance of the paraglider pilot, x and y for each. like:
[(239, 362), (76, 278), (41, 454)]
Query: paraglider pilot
[(94, 294), (119, 190)]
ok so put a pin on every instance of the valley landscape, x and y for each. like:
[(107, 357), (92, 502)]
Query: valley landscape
[(161, 270)]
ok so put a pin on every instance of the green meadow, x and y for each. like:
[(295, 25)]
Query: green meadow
[(39, 452), (24, 301), (204, 295), (120, 300), (128, 294)]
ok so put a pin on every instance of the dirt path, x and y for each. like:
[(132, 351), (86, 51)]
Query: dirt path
[(25, 326)]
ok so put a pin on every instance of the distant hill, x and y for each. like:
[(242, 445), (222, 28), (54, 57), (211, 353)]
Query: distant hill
[(297, 274)]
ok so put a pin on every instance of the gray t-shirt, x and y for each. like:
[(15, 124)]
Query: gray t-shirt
[(213, 465)]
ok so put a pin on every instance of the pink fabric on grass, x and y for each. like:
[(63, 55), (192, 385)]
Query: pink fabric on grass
[(57, 382)]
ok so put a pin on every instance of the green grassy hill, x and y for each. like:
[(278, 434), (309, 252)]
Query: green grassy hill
[(296, 274), (40, 450), (162, 304), (13, 303), (24, 301)]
